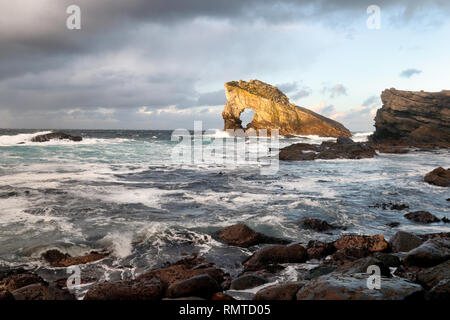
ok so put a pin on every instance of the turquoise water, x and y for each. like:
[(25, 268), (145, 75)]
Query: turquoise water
[(119, 191)]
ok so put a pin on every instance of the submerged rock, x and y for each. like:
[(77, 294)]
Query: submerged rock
[(55, 136), (274, 111), (343, 148), (411, 118), (421, 216), (241, 235), (438, 177), (58, 259), (317, 224)]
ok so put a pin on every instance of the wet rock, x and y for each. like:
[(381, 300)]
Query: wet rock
[(370, 243), (349, 254), (319, 249), (55, 136), (388, 259), (320, 271), (5, 295), (430, 277), (343, 148), (317, 224), (337, 286), (393, 224), (438, 177), (440, 292), (421, 216), (247, 281), (203, 286), (40, 291), (146, 289), (429, 236), (58, 259), (361, 266), (430, 253), (184, 269), (16, 281), (404, 241), (242, 236), (276, 254), (285, 291)]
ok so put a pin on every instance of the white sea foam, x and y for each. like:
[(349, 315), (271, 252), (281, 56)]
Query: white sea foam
[(24, 139), (361, 136)]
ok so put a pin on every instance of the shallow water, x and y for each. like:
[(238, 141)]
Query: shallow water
[(119, 191)]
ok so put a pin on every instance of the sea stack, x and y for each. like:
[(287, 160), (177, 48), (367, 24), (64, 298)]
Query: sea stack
[(274, 111), (413, 118)]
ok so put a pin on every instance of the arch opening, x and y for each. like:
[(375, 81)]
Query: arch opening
[(246, 117)]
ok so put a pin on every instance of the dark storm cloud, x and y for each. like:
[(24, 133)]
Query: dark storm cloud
[(45, 67)]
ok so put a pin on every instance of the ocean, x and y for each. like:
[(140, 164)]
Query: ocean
[(119, 191)]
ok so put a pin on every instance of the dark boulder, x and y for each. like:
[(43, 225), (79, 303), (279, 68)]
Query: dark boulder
[(285, 291), (184, 269), (242, 236), (318, 249), (421, 216), (430, 277), (203, 286), (55, 136), (361, 266), (151, 289), (247, 281), (430, 253), (404, 241), (438, 177), (276, 254)]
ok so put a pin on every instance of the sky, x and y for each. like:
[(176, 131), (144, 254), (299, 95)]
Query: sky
[(161, 64)]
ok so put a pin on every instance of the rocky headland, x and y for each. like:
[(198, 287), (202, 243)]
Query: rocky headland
[(419, 119)]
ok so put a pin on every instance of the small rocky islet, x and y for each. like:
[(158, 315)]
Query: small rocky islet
[(412, 266)]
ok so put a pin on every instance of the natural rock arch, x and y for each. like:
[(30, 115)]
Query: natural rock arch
[(274, 111)]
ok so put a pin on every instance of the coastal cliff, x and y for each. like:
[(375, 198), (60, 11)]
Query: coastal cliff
[(274, 111), (408, 117)]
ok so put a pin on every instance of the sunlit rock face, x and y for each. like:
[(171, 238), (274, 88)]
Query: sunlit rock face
[(274, 111), (409, 117)]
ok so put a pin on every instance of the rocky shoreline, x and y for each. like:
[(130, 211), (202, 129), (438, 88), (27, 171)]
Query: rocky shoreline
[(411, 266)]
